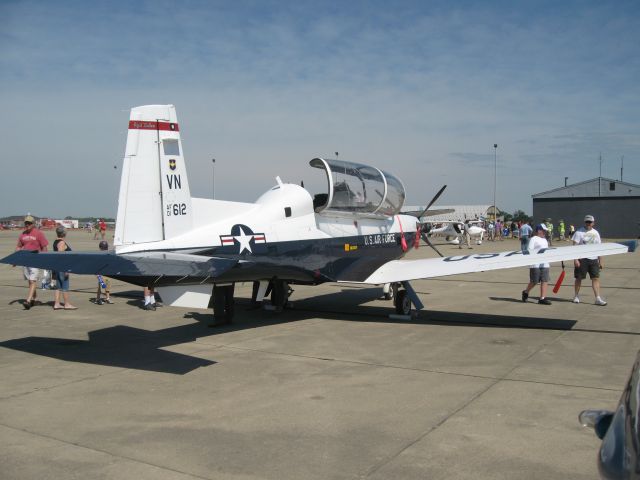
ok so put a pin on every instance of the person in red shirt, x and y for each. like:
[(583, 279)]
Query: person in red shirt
[(31, 239), (103, 229)]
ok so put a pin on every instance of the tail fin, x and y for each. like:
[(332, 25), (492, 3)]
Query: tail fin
[(154, 202)]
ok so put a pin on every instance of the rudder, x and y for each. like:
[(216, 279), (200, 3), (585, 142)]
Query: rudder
[(154, 203)]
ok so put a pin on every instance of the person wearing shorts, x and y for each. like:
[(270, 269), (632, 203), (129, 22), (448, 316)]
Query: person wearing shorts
[(587, 235), (538, 273), (31, 239), (62, 278), (104, 283)]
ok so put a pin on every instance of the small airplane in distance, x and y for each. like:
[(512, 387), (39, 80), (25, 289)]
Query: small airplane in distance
[(453, 231), (194, 250)]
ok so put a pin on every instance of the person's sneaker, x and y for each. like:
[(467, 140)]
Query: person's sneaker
[(600, 301), (109, 301), (150, 306), (99, 301), (576, 299), (544, 301), (525, 295), (27, 304)]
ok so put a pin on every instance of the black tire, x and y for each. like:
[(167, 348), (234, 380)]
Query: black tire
[(403, 303)]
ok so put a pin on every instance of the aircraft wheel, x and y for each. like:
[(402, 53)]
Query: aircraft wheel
[(403, 303)]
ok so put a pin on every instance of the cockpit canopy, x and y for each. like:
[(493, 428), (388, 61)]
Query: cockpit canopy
[(358, 189)]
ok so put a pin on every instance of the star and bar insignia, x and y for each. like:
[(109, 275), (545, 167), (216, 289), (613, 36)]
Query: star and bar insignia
[(244, 237)]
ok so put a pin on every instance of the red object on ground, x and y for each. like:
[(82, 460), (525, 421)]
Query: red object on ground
[(559, 282)]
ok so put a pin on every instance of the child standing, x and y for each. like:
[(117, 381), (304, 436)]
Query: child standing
[(103, 282)]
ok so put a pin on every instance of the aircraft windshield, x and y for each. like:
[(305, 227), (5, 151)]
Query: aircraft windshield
[(358, 188)]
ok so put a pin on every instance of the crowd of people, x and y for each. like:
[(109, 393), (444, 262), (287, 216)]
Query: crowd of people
[(500, 230), (33, 239)]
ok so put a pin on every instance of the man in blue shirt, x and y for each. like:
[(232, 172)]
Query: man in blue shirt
[(525, 235)]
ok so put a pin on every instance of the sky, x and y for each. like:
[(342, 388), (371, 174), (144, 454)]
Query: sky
[(421, 89)]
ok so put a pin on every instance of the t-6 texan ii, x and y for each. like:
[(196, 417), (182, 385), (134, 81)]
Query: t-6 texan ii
[(194, 250)]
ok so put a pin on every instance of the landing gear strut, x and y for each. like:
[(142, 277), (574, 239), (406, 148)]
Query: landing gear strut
[(390, 290), (223, 304), (279, 290)]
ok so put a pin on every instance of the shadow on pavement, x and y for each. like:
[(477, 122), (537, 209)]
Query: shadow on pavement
[(129, 347)]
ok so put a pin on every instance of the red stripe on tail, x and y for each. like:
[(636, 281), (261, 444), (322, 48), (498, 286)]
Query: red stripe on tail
[(146, 125)]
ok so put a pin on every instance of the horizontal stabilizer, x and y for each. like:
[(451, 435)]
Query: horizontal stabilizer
[(403, 270), (143, 264)]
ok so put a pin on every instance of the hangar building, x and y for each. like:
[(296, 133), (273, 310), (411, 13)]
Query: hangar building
[(614, 204)]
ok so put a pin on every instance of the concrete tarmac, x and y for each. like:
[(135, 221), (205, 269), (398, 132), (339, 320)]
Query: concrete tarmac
[(481, 385)]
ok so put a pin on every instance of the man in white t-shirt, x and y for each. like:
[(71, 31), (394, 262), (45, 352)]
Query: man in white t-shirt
[(538, 273), (587, 235)]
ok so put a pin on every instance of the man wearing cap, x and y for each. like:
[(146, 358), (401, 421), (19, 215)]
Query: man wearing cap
[(31, 239), (587, 235), (538, 273)]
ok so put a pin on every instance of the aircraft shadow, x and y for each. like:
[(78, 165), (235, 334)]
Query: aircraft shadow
[(532, 299), (133, 348), (121, 346), (367, 313)]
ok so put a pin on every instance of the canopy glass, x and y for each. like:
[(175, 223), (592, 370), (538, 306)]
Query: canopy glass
[(357, 188)]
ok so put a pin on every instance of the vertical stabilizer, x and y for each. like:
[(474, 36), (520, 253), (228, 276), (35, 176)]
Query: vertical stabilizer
[(154, 202)]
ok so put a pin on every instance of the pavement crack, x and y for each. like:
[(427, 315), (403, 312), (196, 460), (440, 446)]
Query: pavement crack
[(102, 451)]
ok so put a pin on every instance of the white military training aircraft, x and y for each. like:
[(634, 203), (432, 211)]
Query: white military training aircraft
[(453, 231), (193, 250)]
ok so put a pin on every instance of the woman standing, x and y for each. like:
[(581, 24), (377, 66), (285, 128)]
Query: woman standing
[(60, 245)]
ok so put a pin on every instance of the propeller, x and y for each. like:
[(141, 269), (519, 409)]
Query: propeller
[(433, 200), (424, 234), (428, 242)]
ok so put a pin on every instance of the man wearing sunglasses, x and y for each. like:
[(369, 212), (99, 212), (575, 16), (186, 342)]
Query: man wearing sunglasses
[(590, 265), (31, 239)]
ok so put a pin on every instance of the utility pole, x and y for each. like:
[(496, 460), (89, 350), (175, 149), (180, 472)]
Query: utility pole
[(495, 180), (600, 177), (213, 181)]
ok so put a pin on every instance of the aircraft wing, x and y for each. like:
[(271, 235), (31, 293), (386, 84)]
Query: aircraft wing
[(430, 213), (130, 264), (402, 270)]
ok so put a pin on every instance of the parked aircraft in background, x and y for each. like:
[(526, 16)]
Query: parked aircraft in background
[(194, 250), (453, 232)]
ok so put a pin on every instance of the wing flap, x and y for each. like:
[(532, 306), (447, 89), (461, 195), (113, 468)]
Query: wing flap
[(130, 264), (402, 270)]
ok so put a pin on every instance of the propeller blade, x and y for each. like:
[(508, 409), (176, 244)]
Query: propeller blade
[(428, 242), (433, 200)]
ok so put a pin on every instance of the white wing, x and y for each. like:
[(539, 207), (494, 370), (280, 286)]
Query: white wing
[(401, 270)]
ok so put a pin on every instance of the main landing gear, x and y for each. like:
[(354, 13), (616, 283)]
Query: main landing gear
[(223, 304), (279, 290), (404, 298)]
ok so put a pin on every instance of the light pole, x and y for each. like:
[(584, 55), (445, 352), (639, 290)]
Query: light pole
[(213, 181), (495, 180)]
